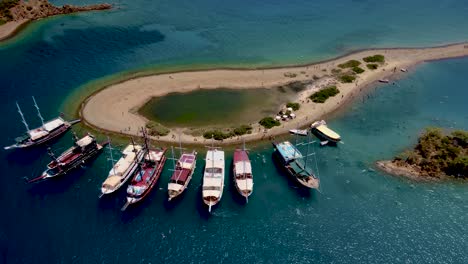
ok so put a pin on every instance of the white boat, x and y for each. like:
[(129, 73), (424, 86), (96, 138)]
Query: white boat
[(404, 70), (321, 130), (384, 80), (123, 169), (300, 132), (213, 177)]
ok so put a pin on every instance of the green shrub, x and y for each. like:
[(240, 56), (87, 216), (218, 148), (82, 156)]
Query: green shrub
[(294, 106), (358, 70), (322, 95), (349, 64), (336, 71), (290, 75), (2, 21), (347, 78), (375, 58), (242, 130), (269, 122), (372, 66), (156, 129)]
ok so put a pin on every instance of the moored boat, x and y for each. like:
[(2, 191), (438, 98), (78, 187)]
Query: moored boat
[(243, 177), (213, 177), (296, 164), (300, 132), (147, 174), (320, 129), (49, 130), (123, 169), (183, 171), (82, 150), (384, 80)]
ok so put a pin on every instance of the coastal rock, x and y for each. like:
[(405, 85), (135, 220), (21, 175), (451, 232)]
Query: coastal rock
[(37, 9)]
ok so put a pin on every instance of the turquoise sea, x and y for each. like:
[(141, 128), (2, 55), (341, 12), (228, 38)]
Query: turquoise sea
[(360, 216)]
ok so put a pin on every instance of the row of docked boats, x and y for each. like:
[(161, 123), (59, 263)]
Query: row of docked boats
[(142, 165)]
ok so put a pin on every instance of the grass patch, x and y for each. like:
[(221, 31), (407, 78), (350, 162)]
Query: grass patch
[(358, 70), (294, 106), (322, 95), (372, 66), (269, 122), (347, 78), (349, 64), (336, 71), (375, 58), (156, 129)]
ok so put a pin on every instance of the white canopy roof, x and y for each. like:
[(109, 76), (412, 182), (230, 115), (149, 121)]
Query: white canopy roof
[(215, 159), (53, 124), (85, 141), (37, 133), (243, 167)]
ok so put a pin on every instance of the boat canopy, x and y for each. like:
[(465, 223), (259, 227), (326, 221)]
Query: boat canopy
[(298, 167), (111, 182), (288, 151), (180, 175), (85, 141), (53, 124), (243, 167), (154, 155), (328, 132), (186, 161), (215, 158), (130, 149)]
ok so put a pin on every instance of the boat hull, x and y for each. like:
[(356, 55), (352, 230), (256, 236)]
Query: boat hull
[(324, 137), (173, 195)]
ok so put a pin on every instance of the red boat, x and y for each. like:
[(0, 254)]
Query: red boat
[(146, 177), (83, 150), (243, 178)]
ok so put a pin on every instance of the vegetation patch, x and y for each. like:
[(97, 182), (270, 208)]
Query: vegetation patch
[(220, 134), (336, 71), (358, 70), (322, 95), (290, 75), (216, 134), (347, 78), (349, 64), (269, 122), (375, 58), (5, 6), (294, 106), (242, 130), (438, 154), (156, 129), (372, 66)]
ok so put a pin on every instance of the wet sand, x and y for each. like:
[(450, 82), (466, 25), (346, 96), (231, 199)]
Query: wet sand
[(9, 29)]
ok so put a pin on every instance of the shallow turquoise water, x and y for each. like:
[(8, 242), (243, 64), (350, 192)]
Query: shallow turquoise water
[(361, 215)]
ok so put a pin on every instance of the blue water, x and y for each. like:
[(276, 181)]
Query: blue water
[(361, 215)]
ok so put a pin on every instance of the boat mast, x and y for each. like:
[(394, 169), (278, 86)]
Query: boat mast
[(111, 156), (22, 117), (38, 111)]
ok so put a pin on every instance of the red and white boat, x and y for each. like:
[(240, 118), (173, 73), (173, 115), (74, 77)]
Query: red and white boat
[(182, 175), (243, 178), (83, 150)]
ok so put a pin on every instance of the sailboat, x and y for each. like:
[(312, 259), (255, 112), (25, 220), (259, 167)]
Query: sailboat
[(243, 178), (183, 171), (297, 165), (213, 177), (123, 169), (147, 174), (83, 149), (40, 135)]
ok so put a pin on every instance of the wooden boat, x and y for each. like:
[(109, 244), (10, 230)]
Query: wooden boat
[(83, 150), (43, 134), (321, 130), (295, 164), (213, 177), (242, 168), (147, 175), (183, 171), (300, 132), (123, 169)]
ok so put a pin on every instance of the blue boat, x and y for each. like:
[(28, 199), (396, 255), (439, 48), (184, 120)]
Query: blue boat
[(296, 164)]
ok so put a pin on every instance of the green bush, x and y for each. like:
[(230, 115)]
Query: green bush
[(5, 6), (242, 130), (372, 66), (156, 129), (347, 78), (322, 95), (349, 64), (358, 70), (336, 71), (269, 122), (290, 75), (294, 106), (216, 134), (2, 21), (375, 58)]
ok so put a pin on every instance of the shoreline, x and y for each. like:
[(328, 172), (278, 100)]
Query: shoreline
[(128, 95), (12, 28)]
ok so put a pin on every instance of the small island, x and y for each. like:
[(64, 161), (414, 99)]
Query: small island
[(16, 13), (437, 155)]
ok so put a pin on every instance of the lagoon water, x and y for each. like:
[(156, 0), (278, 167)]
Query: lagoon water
[(361, 215)]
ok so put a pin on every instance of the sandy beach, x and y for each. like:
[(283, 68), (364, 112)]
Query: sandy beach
[(114, 108), (8, 29)]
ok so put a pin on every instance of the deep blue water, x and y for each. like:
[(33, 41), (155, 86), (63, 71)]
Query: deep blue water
[(361, 215)]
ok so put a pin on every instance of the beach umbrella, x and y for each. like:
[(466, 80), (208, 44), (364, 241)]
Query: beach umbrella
[(278, 117), (289, 109), (293, 115), (285, 116)]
